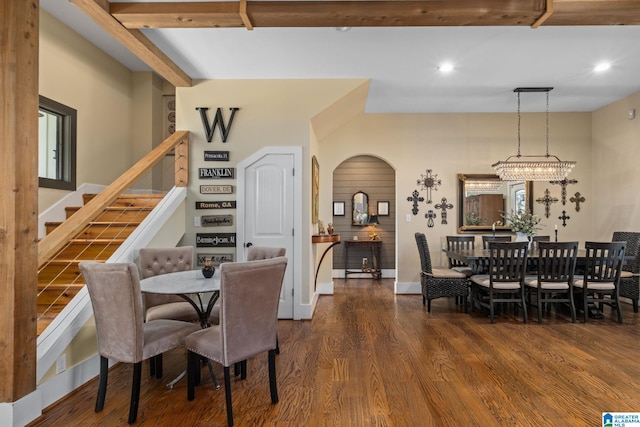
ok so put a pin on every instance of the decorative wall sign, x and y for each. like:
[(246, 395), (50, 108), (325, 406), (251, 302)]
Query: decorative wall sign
[(429, 182), (230, 204), (563, 184), (547, 200), (577, 199), (216, 173), (216, 156), (338, 208), (415, 198), (315, 190), (216, 220), (443, 205), (168, 115), (564, 217), (216, 189), (217, 121), (383, 208), (430, 215), (216, 259), (216, 240)]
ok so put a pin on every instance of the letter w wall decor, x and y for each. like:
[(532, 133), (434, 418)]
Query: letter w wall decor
[(217, 121)]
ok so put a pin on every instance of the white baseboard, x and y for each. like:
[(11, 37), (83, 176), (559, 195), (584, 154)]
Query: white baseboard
[(21, 412), (407, 288), (339, 274)]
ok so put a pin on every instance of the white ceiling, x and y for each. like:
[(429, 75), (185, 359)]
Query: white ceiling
[(402, 62)]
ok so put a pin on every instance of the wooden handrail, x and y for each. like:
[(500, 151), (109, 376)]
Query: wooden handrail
[(53, 242)]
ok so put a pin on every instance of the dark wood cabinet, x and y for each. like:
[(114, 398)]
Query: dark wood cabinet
[(487, 207)]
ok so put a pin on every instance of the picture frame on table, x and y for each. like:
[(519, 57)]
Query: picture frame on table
[(338, 208), (383, 208)]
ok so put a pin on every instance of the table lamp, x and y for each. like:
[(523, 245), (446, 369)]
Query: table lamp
[(373, 221)]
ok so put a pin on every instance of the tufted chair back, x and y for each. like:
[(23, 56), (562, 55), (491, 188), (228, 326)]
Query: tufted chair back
[(156, 261), (264, 252)]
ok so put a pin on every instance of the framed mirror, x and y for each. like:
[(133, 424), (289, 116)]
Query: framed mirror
[(483, 198), (360, 211)]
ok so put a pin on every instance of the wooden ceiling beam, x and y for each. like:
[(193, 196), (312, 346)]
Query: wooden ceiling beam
[(366, 13), (595, 12), (135, 41)]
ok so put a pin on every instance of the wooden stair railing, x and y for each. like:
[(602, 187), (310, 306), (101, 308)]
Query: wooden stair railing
[(53, 242)]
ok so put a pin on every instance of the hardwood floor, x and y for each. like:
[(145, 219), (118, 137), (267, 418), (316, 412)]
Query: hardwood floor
[(372, 358)]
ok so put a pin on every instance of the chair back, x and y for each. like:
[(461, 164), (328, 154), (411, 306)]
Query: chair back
[(557, 261), (114, 289), (487, 239), (264, 252), (632, 247), (455, 243), (425, 256), (249, 313), (604, 261), (507, 261), (157, 261)]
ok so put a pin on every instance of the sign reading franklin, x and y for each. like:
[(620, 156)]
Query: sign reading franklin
[(216, 173)]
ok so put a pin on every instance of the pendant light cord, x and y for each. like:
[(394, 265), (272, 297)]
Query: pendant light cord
[(519, 125), (547, 124)]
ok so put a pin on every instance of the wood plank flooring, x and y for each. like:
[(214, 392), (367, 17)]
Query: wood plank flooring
[(372, 358)]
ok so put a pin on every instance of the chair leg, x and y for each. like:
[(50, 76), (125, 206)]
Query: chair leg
[(539, 302), (619, 310), (277, 345), (572, 307), (192, 366), (272, 376), (525, 315), (135, 392), (158, 365), (227, 393), (152, 366), (102, 385), (428, 306)]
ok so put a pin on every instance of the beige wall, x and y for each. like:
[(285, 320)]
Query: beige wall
[(76, 73)]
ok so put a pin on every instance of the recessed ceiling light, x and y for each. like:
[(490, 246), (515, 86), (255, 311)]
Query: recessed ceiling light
[(603, 66), (446, 67), (343, 29)]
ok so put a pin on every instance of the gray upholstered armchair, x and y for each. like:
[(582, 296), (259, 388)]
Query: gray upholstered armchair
[(248, 323), (114, 289)]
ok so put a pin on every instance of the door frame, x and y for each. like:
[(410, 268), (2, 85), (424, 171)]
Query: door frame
[(295, 259)]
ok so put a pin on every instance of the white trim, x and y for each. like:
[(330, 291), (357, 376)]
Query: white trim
[(307, 310), (387, 273), (407, 288), (21, 412), (324, 288), (296, 257)]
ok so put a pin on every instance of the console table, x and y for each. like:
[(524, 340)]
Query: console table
[(374, 246), (334, 239)]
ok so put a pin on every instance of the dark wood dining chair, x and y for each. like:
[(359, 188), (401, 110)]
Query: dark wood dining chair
[(601, 281), (553, 283), (487, 239), (630, 274), (439, 282), (537, 239), (455, 243), (248, 323), (504, 282), (122, 334)]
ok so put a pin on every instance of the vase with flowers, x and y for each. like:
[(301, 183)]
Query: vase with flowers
[(524, 224)]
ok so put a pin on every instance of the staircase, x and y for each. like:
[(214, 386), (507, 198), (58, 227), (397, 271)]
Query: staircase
[(59, 280)]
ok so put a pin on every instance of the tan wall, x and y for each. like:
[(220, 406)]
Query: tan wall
[(76, 73), (616, 173)]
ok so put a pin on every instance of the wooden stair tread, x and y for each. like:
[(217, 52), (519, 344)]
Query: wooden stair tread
[(98, 241), (98, 223), (61, 286)]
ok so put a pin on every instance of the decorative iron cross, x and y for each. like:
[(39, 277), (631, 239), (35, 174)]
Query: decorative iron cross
[(547, 200), (577, 199), (430, 215), (563, 184), (429, 182), (415, 198), (564, 217), (443, 205)]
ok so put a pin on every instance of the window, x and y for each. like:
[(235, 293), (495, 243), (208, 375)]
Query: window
[(56, 145)]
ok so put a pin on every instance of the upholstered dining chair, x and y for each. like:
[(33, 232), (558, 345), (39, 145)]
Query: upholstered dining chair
[(630, 274), (264, 252), (553, 282), (248, 323), (601, 281), (504, 281), (458, 243), (438, 282), (156, 261), (114, 290)]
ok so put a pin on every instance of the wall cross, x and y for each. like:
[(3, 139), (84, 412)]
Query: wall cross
[(547, 200), (415, 198), (577, 199), (443, 205), (430, 215), (429, 182), (564, 217), (563, 184)]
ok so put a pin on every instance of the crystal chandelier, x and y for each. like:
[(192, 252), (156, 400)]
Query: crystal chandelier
[(546, 168), (483, 186)]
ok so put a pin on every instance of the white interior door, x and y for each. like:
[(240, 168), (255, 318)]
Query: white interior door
[(268, 214)]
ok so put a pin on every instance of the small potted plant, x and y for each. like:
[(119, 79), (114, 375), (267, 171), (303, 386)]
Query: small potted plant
[(524, 224)]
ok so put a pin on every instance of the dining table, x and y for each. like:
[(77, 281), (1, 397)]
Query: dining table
[(192, 286)]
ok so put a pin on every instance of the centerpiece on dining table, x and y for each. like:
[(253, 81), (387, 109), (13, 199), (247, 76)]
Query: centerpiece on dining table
[(208, 269), (524, 224)]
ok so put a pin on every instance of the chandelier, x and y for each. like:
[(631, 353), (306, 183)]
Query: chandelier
[(483, 186), (545, 168)]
